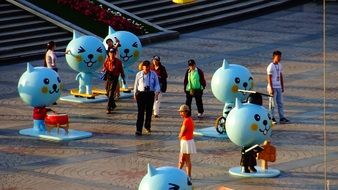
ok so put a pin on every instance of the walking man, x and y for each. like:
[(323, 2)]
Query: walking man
[(146, 90)]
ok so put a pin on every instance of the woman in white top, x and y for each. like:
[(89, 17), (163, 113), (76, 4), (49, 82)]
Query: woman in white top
[(51, 56)]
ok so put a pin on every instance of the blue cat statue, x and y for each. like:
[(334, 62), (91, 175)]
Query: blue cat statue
[(166, 177), (130, 46), (129, 50), (39, 87), (226, 82), (247, 126), (86, 55)]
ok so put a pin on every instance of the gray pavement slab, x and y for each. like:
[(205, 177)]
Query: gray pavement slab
[(115, 159)]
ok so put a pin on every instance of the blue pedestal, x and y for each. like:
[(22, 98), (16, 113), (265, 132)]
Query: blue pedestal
[(125, 95), (54, 136), (98, 98), (270, 172), (72, 98), (209, 132)]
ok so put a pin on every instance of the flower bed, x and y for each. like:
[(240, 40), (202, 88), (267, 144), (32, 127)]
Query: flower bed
[(106, 16), (92, 16)]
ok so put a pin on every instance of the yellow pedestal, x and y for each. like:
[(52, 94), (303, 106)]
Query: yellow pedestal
[(75, 92), (183, 1)]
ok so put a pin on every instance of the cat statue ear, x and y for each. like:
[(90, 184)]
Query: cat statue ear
[(151, 170), (225, 64), (76, 34), (110, 30), (238, 103), (30, 68)]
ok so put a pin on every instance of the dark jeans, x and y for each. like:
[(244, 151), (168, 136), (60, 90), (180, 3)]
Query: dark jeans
[(198, 99), (145, 102), (110, 88)]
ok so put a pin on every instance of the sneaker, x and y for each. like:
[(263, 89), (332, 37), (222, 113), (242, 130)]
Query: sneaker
[(138, 133), (189, 181), (284, 120), (245, 170), (117, 97), (108, 112), (252, 169), (113, 107), (274, 121), (148, 131), (156, 116), (200, 115)]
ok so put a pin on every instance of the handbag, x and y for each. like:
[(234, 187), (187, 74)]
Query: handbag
[(103, 75)]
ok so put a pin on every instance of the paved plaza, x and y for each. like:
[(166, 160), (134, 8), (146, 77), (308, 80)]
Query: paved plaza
[(115, 159)]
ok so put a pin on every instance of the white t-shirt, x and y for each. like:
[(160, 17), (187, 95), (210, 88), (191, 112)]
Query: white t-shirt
[(275, 70), (50, 59)]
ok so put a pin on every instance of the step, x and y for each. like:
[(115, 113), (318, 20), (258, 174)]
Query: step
[(5, 6), (21, 25), (26, 56), (13, 19), (11, 12), (146, 5), (209, 13), (44, 37), (122, 3), (26, 32), (189, 10), (171, 7), (60, 48), (229, 17), (31, 45)]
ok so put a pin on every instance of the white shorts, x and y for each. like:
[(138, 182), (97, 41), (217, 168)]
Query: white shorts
[(188, 146)]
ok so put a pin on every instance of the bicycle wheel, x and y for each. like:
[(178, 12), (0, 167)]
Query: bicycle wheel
[(220, 124)]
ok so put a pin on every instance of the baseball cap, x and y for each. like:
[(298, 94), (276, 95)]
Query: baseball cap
[(183, 108), (191, 62)]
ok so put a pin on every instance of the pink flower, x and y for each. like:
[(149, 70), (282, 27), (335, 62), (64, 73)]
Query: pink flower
[(102, 15)]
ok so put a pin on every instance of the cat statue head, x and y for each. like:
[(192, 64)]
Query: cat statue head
[(166, 177), (248, 124), (87, 53), (130, 46), (39, 86), (228, 79)]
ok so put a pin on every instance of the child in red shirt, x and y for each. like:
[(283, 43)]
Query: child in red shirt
[(186, 138)]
